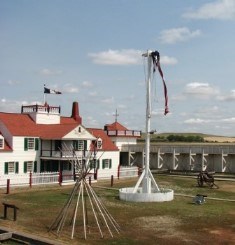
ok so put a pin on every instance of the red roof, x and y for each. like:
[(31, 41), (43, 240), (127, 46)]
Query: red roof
[(23, 125), (107, 144), (6, 146), (115, 126)]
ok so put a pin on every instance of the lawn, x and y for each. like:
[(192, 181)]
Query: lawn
[(176, 222)]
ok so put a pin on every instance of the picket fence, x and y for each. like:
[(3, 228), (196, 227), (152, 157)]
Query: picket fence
[(45, 178)]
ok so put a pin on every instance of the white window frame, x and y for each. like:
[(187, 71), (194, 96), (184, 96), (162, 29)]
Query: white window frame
[(31, 143), (106, 163), (99, 143), (1, 142), (30, 166), (11, 168), (80, 145)]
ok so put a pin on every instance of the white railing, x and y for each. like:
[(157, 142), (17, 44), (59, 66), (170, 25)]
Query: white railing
[(15, 180), (45, 178), (31, 179), (128, 171)]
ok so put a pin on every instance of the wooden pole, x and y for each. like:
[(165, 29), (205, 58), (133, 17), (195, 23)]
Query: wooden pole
[(111, 180), (8, 186)]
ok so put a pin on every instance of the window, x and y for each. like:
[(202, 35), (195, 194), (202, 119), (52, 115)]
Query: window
[(30, 166), (11, 167), (95, 164), (67, 166), (80, 145), (58, 145), (99, 144), (31, 144), (75, 145), (107, 163), (1, 143)]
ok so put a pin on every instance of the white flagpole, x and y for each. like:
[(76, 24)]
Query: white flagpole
[(44, 95)]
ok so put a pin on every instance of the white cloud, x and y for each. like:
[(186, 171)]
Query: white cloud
[(70, 89), (117, 57), (15, 105), (87, 84), (174, 35), (229, 120), (220, 9), (108, 100), (196, 121), (49, 72), (125, 57), (228, 97), (91, 121), (121, 106), (166, 60), (93, 93), (10, 82), (201, 90)]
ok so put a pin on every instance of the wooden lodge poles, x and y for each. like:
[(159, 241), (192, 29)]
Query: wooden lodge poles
[(83, 192), (84, 201)]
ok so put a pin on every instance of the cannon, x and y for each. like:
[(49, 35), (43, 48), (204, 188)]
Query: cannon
[(207, 178)]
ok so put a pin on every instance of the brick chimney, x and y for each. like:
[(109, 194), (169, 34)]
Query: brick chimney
[(75, 113)]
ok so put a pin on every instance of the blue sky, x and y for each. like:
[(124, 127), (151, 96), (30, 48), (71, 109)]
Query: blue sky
[(91, 51)]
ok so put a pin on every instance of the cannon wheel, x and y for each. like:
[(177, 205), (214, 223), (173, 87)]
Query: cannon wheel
[(211, 182), (199, 180)]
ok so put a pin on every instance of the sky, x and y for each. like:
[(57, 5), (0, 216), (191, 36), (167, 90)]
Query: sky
[(91, 51)]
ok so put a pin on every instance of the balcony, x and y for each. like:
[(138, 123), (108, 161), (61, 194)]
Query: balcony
[(63, 155), (124, 133), (41, 109)]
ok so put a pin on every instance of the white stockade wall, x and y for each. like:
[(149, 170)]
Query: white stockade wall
[(121, 172)]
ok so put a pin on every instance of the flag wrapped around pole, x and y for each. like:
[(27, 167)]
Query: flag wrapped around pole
[(156, 64)]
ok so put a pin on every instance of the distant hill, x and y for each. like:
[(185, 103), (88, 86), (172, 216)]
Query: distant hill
[(189, 137)]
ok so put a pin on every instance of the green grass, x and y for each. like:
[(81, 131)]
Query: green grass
[(175, 222)]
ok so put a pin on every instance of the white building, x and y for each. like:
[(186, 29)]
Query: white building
[(39, 139)]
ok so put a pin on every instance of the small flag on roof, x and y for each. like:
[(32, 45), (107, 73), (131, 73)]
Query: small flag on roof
[(51, 91)]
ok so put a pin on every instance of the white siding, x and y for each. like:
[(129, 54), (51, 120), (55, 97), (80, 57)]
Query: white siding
[(79, 133), (45, 118), (119, 141), (18, 155), (114, 155)]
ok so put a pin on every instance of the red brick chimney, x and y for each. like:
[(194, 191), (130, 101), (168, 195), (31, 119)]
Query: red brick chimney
[(75, 113)]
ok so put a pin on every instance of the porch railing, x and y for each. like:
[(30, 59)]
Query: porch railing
[(45, 178)]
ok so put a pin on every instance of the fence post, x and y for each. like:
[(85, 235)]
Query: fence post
[(8, 186), (96, 174), (60, 179), (111, 180), (90, 180), (30, 179), (118, 174)]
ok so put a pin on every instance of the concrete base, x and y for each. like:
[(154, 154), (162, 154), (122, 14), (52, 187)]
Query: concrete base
[(126, 194)]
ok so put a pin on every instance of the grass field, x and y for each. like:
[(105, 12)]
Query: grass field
[(177, 222)]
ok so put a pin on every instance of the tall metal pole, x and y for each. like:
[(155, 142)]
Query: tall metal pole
[(147, 180)]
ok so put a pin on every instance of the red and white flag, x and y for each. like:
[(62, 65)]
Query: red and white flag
[(156, 64)]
